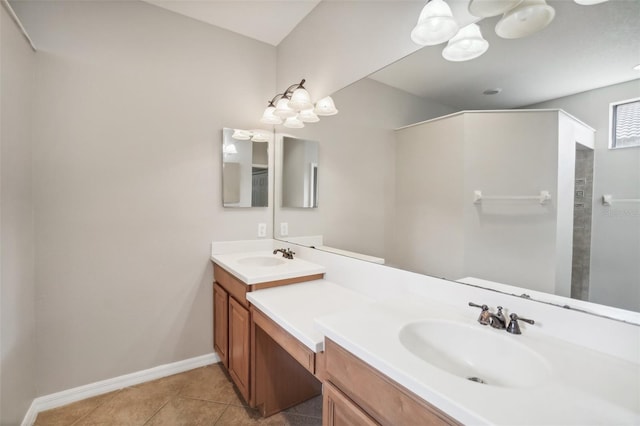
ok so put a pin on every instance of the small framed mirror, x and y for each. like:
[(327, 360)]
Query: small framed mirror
[(245, 168)]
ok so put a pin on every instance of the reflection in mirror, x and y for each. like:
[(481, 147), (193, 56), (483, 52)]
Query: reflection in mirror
[(245, 170), (373, 185), (299, 173)]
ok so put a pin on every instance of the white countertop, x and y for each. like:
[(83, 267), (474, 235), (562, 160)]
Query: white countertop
[(585, 386), (294, 307), (255, 274)]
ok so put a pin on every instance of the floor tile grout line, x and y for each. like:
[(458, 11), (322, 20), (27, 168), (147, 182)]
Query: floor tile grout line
[(115, 393), (157, 411), (221, 415)]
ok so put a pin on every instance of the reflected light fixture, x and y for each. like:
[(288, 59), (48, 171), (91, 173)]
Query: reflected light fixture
[(520, 18), (253, 135), (435, 24), (466, 45), (294, 107), (528, 17)]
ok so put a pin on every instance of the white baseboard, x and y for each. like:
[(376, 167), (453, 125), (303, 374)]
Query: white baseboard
[(68, 396)]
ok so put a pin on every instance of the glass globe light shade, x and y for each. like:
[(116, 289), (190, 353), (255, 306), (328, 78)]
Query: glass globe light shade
[(528, 17), (300, 100), (308, 116), (487, 8), (241, 135), (293, 123), (466, 45), (282, 109), (435, 24), (260, 136), (269, 118), (325, 106)]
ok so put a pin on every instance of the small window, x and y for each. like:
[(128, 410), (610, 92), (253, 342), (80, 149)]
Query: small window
[(625, 124)]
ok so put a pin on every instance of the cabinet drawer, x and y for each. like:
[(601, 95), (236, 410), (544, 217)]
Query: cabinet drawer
[(379, 396), (305, 356)]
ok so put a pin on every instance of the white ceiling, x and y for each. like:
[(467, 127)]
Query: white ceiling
[(265, 20)]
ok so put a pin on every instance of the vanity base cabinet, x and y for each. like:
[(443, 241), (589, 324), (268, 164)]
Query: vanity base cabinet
[(239, 329), (338, 410), (232, 319), (381, 398), (220, 323)]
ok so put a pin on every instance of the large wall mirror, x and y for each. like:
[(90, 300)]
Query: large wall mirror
[(581, 63), (245, 169)]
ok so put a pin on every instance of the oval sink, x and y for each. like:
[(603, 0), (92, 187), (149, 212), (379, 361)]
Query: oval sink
[(475, 353), (261, 261)]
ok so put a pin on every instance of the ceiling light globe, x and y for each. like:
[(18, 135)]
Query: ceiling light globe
[(269, 118), (435, 24), (260, 136), (241, 135), (488, 8), (300, 100), (325, 106), (283, 110), (293, 123), (466, 45), (308, 116), (527, 18)]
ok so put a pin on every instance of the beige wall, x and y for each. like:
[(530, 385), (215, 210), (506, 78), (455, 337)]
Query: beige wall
[(17, 283), (356, 168), (130, 103)]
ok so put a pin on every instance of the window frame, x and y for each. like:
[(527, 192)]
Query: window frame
[(612, 123)]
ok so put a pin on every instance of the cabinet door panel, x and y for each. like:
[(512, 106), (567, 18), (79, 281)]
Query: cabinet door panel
[(338, 410), (220, 323), (239, 329)]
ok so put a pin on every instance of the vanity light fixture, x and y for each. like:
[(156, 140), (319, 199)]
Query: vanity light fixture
[(294, 107), (466, 45)]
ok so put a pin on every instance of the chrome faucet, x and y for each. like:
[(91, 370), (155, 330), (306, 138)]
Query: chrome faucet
[(286, 253), (498, 321)]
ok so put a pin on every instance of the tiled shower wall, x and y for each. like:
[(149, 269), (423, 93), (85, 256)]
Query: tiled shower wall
[(583, 199)]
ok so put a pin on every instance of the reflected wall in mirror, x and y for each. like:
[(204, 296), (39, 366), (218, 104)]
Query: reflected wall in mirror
[(299, 173), (373, 184), (245, 170)]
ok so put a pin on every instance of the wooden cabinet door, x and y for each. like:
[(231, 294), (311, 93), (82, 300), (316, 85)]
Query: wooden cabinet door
[(239, 329), (221, 323), (338, 410)]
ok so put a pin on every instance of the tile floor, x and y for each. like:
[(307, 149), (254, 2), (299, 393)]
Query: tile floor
[(204, 396)]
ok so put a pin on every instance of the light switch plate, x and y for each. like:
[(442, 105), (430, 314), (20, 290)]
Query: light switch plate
[(262, 230), (284, 229)]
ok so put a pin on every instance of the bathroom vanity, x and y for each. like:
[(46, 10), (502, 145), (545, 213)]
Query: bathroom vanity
[(238, 326), (391, 347)]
